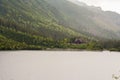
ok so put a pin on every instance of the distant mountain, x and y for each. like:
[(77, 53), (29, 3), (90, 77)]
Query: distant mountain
[(54, 23), (89, 20), (78, 3)]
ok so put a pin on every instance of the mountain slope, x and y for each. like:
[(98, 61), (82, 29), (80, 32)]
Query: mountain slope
[(89, 20), (42, 24), (38, 16), (64, 17), (29, 24)]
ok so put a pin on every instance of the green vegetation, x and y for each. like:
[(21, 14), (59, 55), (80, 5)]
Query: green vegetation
[(50, 24), (89, 20), (14, 36)]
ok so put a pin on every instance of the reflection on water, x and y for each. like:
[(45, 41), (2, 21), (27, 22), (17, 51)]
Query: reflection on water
[(58, 65)]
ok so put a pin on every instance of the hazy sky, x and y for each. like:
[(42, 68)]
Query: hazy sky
[(112, 5)]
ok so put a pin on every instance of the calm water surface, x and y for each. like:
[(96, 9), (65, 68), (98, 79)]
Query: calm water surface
[(58, 65)]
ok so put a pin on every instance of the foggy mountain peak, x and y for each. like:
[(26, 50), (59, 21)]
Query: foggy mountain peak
[(78, 2), (82, 4)]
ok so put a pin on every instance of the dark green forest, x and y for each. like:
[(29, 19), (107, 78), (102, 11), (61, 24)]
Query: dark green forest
[(40, 25)]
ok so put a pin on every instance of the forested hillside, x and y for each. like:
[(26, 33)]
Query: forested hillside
[(37, 16), (89, 20), (32, 25), (50, 24)]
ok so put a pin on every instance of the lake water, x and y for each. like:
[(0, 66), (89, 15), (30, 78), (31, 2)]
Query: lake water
[(58, 65)]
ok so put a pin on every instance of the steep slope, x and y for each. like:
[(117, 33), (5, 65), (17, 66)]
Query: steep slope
[(44, 24), (89, 20), (29, 24), (36, 17), (64, 17)]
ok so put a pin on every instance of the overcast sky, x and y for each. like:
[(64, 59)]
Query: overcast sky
[(112, 5)]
